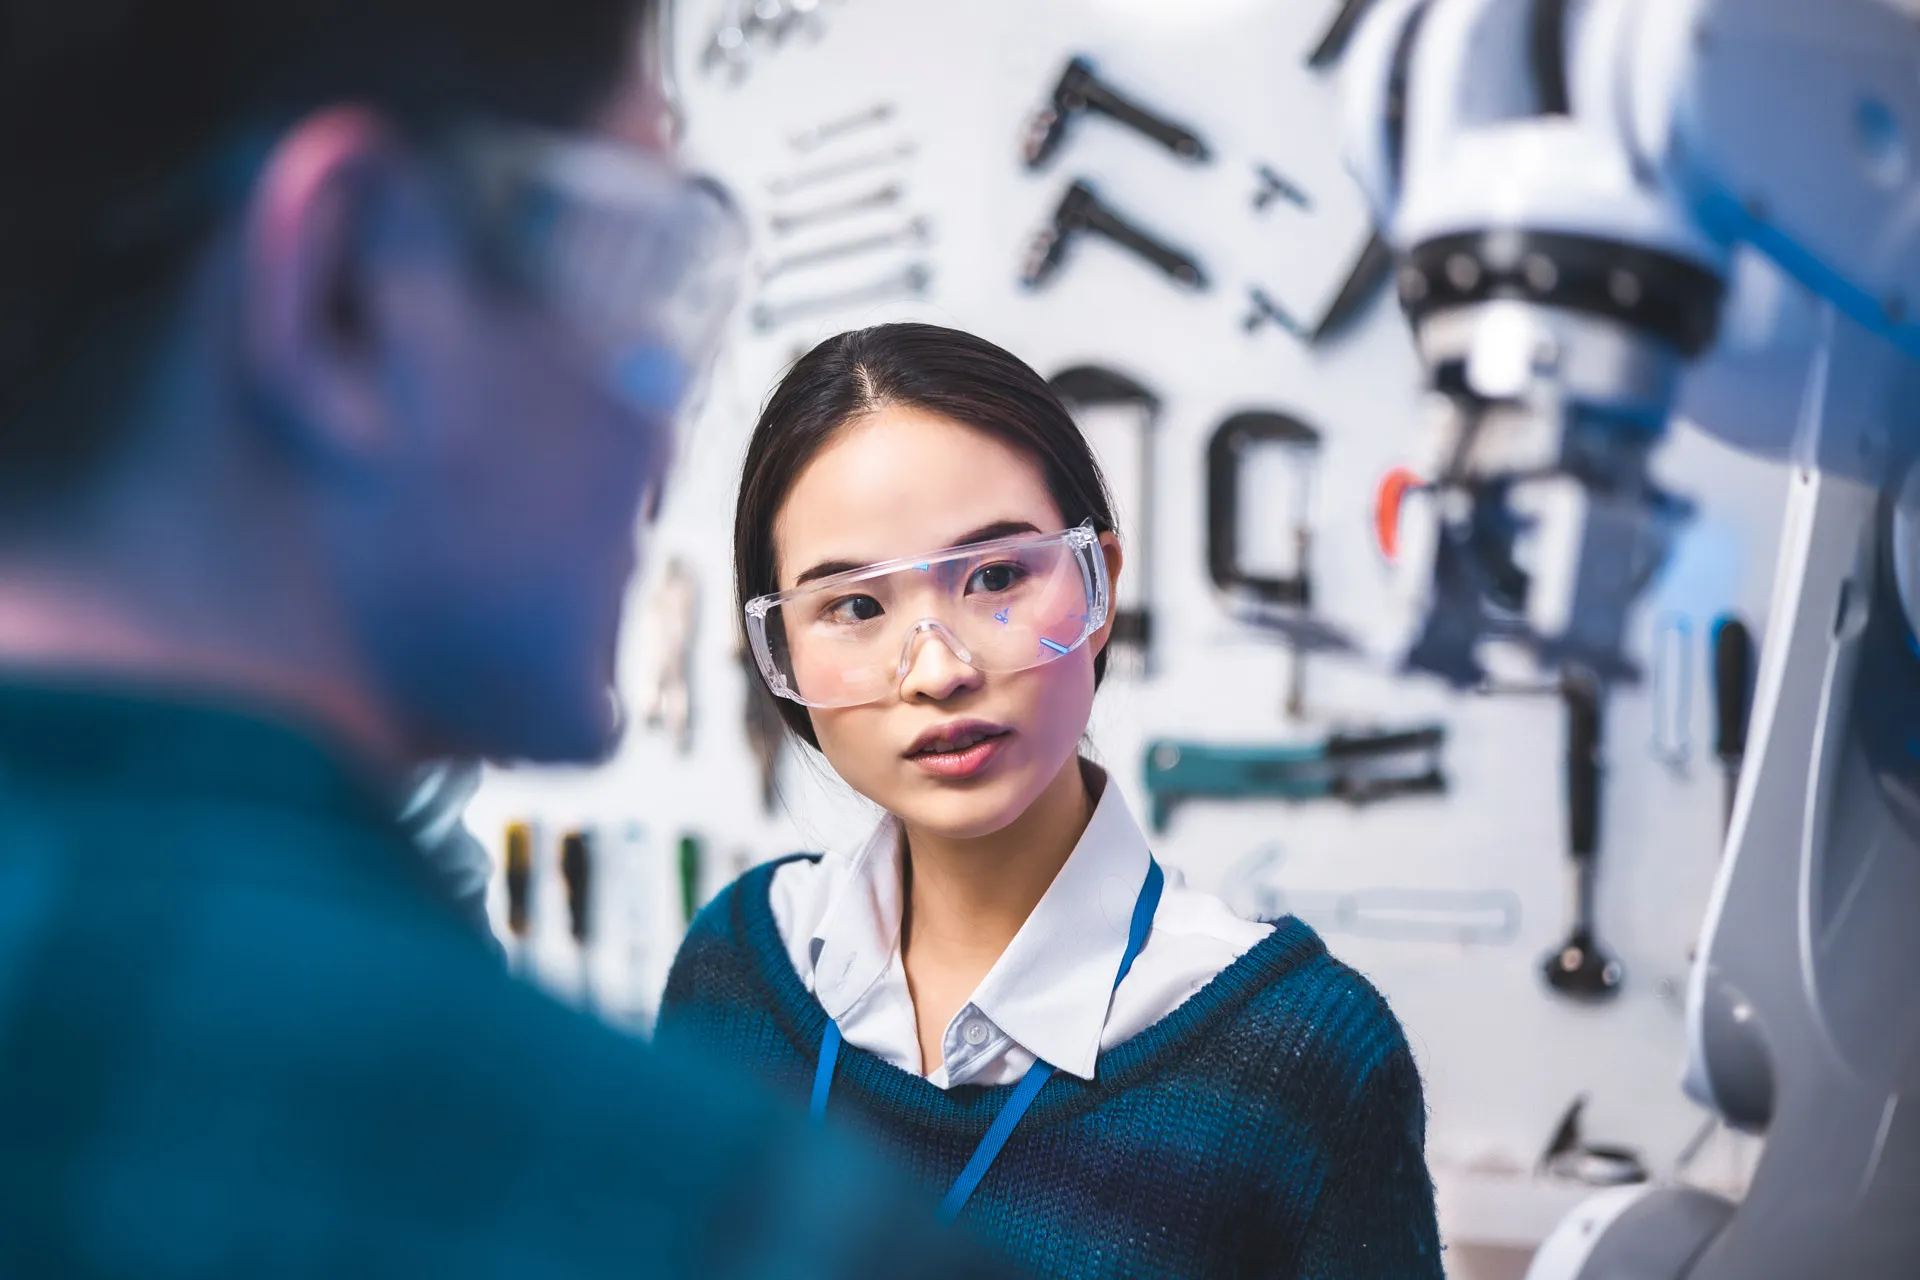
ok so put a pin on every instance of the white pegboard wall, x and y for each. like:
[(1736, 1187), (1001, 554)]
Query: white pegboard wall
[(1501, 1057)]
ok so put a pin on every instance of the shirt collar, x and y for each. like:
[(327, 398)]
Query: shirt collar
[(1050, 990), (860, 930)]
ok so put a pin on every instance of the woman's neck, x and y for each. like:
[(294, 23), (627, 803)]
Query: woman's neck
[(967, 898)]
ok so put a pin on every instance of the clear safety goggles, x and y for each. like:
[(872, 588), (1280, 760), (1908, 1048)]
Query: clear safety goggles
[(1001, 606), (646, 260)]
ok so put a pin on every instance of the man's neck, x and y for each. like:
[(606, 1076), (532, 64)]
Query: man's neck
[(62, 625)]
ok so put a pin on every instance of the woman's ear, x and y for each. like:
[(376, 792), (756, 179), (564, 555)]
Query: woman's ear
[(1110, 548)]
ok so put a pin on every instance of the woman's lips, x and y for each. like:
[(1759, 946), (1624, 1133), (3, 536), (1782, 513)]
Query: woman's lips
[(968, 762)]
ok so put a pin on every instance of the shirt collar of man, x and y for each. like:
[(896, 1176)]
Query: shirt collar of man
[(1050, 990)]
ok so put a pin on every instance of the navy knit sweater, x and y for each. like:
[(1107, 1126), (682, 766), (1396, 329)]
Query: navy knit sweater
[(1271, 1126)]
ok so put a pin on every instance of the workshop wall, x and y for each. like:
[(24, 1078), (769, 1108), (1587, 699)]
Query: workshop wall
[(1449, 902)]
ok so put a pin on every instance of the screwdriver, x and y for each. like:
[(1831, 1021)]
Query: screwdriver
[(519, 874), (1732, 696), (576, 871)]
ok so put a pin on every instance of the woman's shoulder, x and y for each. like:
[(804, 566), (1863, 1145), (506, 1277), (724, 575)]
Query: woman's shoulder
[(1316, 1010), (731, 948)]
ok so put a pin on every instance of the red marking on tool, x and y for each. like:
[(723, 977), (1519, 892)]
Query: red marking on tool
[(1387, 501)]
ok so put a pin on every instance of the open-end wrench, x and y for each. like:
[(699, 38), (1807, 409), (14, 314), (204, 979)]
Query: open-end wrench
[(821, 134), (910, 283), (913, 232), (879, 198), (847, 168), (1081, 211)]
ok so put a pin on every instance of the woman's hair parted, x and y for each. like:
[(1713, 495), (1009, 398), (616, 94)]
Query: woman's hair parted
[(956, 375)]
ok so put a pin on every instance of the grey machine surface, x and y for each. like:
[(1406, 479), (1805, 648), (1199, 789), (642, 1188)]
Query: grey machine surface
[(1608, 215)]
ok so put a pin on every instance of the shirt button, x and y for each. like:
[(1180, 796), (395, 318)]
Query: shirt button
[(975, 1034)]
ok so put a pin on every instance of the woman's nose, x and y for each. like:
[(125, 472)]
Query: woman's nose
[(935, 667)]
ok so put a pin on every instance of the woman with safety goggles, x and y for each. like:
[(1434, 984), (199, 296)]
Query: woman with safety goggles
[(1108, 1072)]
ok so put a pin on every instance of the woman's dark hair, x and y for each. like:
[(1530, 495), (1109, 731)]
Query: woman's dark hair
[(921, 366)]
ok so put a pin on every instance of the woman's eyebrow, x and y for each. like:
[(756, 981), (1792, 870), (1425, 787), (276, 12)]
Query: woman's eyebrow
[(985, 533)]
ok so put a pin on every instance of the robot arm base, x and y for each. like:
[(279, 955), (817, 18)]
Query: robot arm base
[(1633, 1233)]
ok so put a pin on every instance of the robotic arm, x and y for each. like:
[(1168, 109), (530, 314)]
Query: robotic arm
[(1609, 213)]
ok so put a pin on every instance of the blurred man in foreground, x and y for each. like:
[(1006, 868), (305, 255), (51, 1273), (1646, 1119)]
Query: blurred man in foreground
[(339, 346)]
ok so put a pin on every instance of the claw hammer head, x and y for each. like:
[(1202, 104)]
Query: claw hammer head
[(1050, 246), (1069, 99)]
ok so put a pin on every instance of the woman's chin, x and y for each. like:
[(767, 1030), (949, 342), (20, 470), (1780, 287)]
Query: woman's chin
[(964, 816)]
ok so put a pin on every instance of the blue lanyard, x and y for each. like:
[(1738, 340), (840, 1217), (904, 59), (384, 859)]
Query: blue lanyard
[(1030, 1084)]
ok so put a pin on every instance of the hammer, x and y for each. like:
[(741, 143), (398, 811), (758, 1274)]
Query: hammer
[(1080, 211), (1080, 90)]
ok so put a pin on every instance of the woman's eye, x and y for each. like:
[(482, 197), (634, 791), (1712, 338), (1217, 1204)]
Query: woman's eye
[(853, 609), (996, 578)]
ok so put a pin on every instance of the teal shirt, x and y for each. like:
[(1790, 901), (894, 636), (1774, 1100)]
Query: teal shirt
[(243, 1033)]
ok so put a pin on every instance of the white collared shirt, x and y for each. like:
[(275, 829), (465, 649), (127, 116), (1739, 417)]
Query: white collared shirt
[(1051, 993)]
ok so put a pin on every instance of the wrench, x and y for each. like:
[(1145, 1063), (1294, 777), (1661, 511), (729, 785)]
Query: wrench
[(879, 198), (911, 283), (820, 134), (844, 169), (914, 231)]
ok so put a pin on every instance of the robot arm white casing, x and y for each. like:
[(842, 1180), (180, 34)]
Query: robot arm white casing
[(1573, 184)]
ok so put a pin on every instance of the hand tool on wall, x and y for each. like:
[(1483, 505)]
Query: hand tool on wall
[(879, 198), (1357, 768), (727, 47), (1732, 701), (1087, 390), (912, 232), (1569, 1155), (1670, 694), (1449, 917), (1581, 968), (1082, 211), (517, 867), (1335, 41), (1080, 91), (852, 166), (812, 139), (909, 282), (1272, 185), (1367, 279), (666, 652), (746, 28), (1279, 599), (577, 873), (690, 876), (766, 732)]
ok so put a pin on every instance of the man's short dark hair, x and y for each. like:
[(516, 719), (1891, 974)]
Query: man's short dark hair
[(112, 117)]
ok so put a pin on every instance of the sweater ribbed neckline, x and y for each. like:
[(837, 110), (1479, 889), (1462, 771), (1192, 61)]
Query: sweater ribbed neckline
[(801, 1018)]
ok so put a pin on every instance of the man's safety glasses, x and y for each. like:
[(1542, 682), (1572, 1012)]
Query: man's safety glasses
[(1000, 606), (646, 260)]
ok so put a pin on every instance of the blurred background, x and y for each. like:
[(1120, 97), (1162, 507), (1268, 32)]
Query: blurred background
[(1212, 308)]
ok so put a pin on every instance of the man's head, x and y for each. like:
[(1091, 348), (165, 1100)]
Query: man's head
[(315, 306)]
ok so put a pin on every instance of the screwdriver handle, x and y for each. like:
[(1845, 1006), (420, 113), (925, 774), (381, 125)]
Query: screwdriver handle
[(1583, 769), (1732, 687)]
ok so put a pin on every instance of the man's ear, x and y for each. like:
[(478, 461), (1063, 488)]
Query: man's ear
[(1109, 547), (312, 322)]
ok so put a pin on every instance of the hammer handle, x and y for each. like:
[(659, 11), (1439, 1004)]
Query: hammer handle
[(1080, 86), (1176, 264)]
